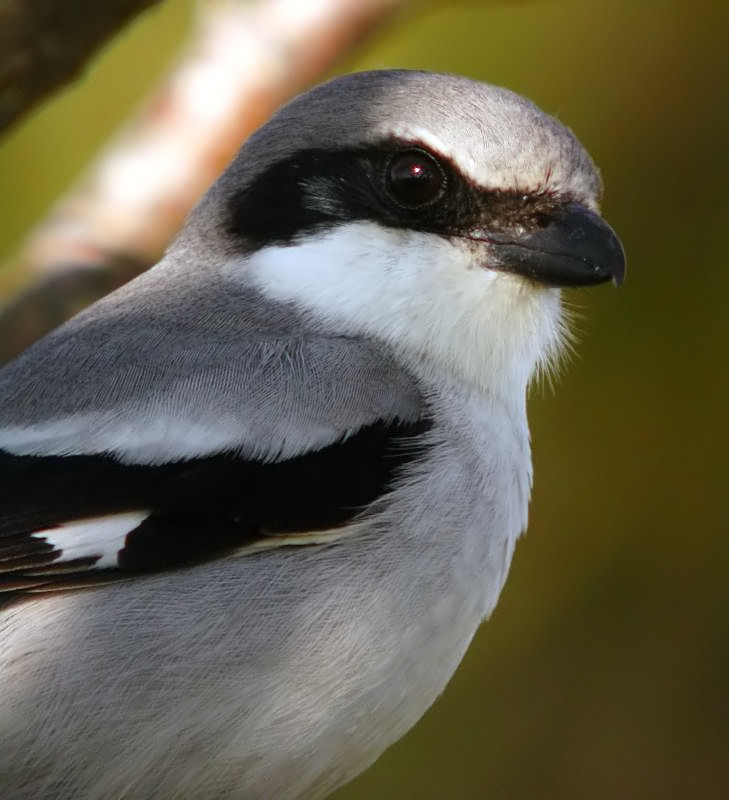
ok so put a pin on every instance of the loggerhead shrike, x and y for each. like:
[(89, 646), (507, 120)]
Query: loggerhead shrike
[(255, 503)]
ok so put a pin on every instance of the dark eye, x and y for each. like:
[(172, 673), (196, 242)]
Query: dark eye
[(414, 179)]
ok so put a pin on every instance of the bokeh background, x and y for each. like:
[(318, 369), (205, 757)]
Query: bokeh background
[(604, 672)]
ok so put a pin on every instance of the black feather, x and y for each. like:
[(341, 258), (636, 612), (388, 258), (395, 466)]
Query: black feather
[(198, 508)]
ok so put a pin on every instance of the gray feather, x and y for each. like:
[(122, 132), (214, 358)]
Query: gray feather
[(152, 376)]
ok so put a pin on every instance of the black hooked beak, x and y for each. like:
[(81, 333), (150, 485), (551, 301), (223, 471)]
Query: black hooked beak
[(575, 247)]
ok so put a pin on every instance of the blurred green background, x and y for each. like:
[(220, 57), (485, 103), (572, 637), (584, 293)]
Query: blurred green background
[(604, 672)]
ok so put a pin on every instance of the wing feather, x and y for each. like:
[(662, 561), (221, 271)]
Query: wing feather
[(159, 428), (150, 381), (94, 513)]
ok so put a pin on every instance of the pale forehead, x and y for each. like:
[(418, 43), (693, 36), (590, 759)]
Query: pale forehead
[(505, 164)]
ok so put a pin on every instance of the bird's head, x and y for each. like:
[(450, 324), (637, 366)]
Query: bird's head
[(431, 212)]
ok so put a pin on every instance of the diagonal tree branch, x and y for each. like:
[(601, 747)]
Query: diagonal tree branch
[(45, 44)]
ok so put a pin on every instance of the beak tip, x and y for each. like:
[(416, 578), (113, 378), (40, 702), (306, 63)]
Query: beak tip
[(618, 271)]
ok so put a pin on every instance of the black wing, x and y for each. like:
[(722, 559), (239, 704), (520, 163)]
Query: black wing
[(185, 511)]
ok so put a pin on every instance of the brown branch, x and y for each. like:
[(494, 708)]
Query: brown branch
[(45, 43), (244, 61)]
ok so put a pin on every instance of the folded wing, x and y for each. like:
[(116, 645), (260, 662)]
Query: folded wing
[(136, 439)]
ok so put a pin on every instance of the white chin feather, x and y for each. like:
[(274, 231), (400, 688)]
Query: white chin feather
[(425, 295)]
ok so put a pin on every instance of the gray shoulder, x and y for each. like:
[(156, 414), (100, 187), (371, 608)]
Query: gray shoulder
[(148, 380)]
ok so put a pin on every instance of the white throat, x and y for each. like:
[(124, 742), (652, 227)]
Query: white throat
[(423, 294)]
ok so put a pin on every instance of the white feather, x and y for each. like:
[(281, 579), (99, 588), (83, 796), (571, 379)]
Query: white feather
[(156, 436), (432, 299), (93, 537)]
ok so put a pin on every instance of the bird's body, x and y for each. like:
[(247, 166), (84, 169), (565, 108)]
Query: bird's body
[(281, 656), (294, 455)]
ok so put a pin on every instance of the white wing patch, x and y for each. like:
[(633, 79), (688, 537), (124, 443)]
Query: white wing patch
[(94, 537)]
